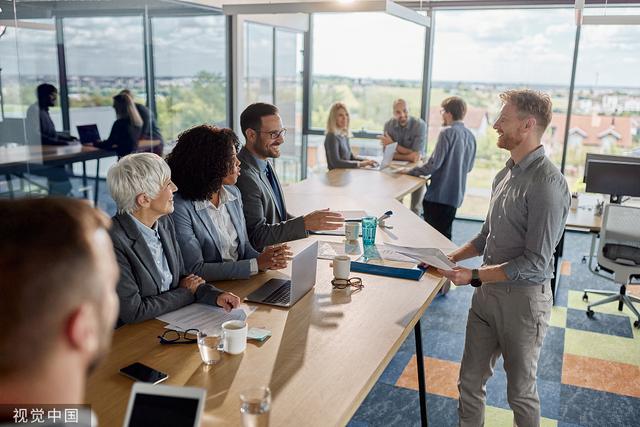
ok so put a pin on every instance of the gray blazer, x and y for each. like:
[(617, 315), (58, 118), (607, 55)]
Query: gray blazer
[(139, 285), (264, 224), (338, 151), (199, 240)]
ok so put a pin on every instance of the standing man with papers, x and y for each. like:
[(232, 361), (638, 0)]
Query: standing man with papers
[(448, 166), (511, 305)]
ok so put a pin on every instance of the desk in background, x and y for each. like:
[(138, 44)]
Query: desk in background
[(21, 159)]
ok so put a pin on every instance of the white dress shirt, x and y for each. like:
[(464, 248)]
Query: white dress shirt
[(228, 243)]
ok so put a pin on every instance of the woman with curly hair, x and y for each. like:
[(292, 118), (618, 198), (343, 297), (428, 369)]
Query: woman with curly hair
[(210, 225)]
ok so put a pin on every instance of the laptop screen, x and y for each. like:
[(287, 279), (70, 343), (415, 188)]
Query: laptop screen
[(88, 133)]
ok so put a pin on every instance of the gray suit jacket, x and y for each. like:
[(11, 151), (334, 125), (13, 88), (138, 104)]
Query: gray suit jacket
[(264, 224), (199, 240), (139, 285)]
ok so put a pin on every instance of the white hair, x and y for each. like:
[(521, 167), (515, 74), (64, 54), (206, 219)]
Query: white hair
[(135, 174)]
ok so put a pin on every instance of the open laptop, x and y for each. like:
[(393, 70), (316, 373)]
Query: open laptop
[(387, 157), (88, 133), (285, 293)]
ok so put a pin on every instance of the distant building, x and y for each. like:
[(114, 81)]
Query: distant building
[(604, 132), (476, 120)]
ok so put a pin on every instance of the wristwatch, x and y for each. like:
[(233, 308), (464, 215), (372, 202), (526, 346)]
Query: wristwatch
[(475, 278)]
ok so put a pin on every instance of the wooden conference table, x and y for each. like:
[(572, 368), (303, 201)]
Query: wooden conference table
[(326, 352), (28, 158)]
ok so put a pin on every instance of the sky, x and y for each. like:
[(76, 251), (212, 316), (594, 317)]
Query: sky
[(496, 46)]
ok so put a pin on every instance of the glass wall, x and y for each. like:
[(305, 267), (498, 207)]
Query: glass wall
[(104, 55), (182, 57), (480, 53), (289, 59), (606, 106), (190, 72), (366, 60), (258, 63)]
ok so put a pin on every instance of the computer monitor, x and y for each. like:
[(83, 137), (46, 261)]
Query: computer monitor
[(617, 176), (607, 158)]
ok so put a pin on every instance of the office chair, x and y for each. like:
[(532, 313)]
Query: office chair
[(619, 253)]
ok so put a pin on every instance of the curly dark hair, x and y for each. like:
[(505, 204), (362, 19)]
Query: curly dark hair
[(201, 159)]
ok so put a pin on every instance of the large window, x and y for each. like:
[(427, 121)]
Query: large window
[(288, 97), (606, 106), (258, 61), (480, 53), (27, 58), (190, 72), (366, 60), (103, 55)]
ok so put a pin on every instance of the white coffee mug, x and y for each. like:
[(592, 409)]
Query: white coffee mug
[(234, 336), (341, 267), (351, 231)]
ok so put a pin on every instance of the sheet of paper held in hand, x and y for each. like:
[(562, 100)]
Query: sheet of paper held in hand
[(206, 318), (430, 256)]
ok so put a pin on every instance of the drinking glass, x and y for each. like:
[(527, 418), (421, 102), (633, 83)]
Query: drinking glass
[(369, 225), (209, 345), (255, 406)]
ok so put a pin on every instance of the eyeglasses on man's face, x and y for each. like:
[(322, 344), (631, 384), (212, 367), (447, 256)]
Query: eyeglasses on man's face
[(274, 134), (171, 336)]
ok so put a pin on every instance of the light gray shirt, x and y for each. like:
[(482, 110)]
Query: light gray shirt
[(527, 214), (224, 226), (338, 152), (152, 238), (412, 136)]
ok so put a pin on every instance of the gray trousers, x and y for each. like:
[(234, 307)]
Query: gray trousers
[(509, 320)]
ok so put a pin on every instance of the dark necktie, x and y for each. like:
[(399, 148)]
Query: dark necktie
[(276, 191)]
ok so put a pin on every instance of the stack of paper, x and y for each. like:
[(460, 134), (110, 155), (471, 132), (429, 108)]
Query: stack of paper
[(205, 318), (430, 256)]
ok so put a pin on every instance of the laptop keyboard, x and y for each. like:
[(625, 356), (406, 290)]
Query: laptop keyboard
[(282, 295)]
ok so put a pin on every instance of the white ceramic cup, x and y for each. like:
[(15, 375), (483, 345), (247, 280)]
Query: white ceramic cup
[(351, 230), (341, 267), (234, 336)]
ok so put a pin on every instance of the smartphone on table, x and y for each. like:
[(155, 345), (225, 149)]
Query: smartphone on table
[(139, 372)]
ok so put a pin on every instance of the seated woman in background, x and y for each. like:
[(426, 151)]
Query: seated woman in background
[(153, 280), (127, 128), (336, 141), (211, 228)]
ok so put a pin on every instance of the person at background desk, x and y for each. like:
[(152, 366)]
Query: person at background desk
[(511, 305), (58, 305), (411, 135), (125, 132), (40, 127), (268, 221), (153, 280), (336, 141), (448, 166), (41, 130), (150, 129), (210, 225)]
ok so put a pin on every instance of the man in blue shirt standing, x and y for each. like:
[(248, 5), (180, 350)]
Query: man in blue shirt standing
[(448, 166)]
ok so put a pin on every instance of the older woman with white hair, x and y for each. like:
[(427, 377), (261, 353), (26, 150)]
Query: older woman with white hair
[(153, 279)]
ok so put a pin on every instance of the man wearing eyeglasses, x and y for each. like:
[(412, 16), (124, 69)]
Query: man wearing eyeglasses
[(265, 211)]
